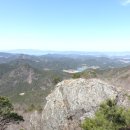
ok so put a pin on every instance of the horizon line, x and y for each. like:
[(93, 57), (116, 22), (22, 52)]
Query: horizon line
[(9, 50)]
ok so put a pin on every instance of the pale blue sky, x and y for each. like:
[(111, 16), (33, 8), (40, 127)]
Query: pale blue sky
[(78, 25)]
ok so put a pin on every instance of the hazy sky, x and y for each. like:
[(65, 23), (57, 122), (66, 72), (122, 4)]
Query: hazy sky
[(88, 25)]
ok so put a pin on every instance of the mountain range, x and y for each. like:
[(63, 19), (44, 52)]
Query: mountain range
[(27, 80)]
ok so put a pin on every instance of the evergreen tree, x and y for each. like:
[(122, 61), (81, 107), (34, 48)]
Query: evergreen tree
[(108, 117), (7, 114)]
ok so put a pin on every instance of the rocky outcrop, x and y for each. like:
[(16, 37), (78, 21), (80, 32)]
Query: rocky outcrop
[(74, 100), (70, 103)]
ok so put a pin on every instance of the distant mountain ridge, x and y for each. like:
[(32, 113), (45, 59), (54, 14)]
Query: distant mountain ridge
[(66, 61), (29, 74), (44, 52)]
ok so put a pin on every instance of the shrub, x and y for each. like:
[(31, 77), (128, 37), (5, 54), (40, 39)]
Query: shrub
[(108, 117), (76, 76), (7, 114), (56, 80)]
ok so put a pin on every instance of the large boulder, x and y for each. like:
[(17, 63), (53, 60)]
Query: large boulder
[(73, 100)]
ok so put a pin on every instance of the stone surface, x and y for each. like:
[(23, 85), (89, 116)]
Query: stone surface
[(73, 100)]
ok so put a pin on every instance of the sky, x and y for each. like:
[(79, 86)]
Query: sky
[(65, 25)]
